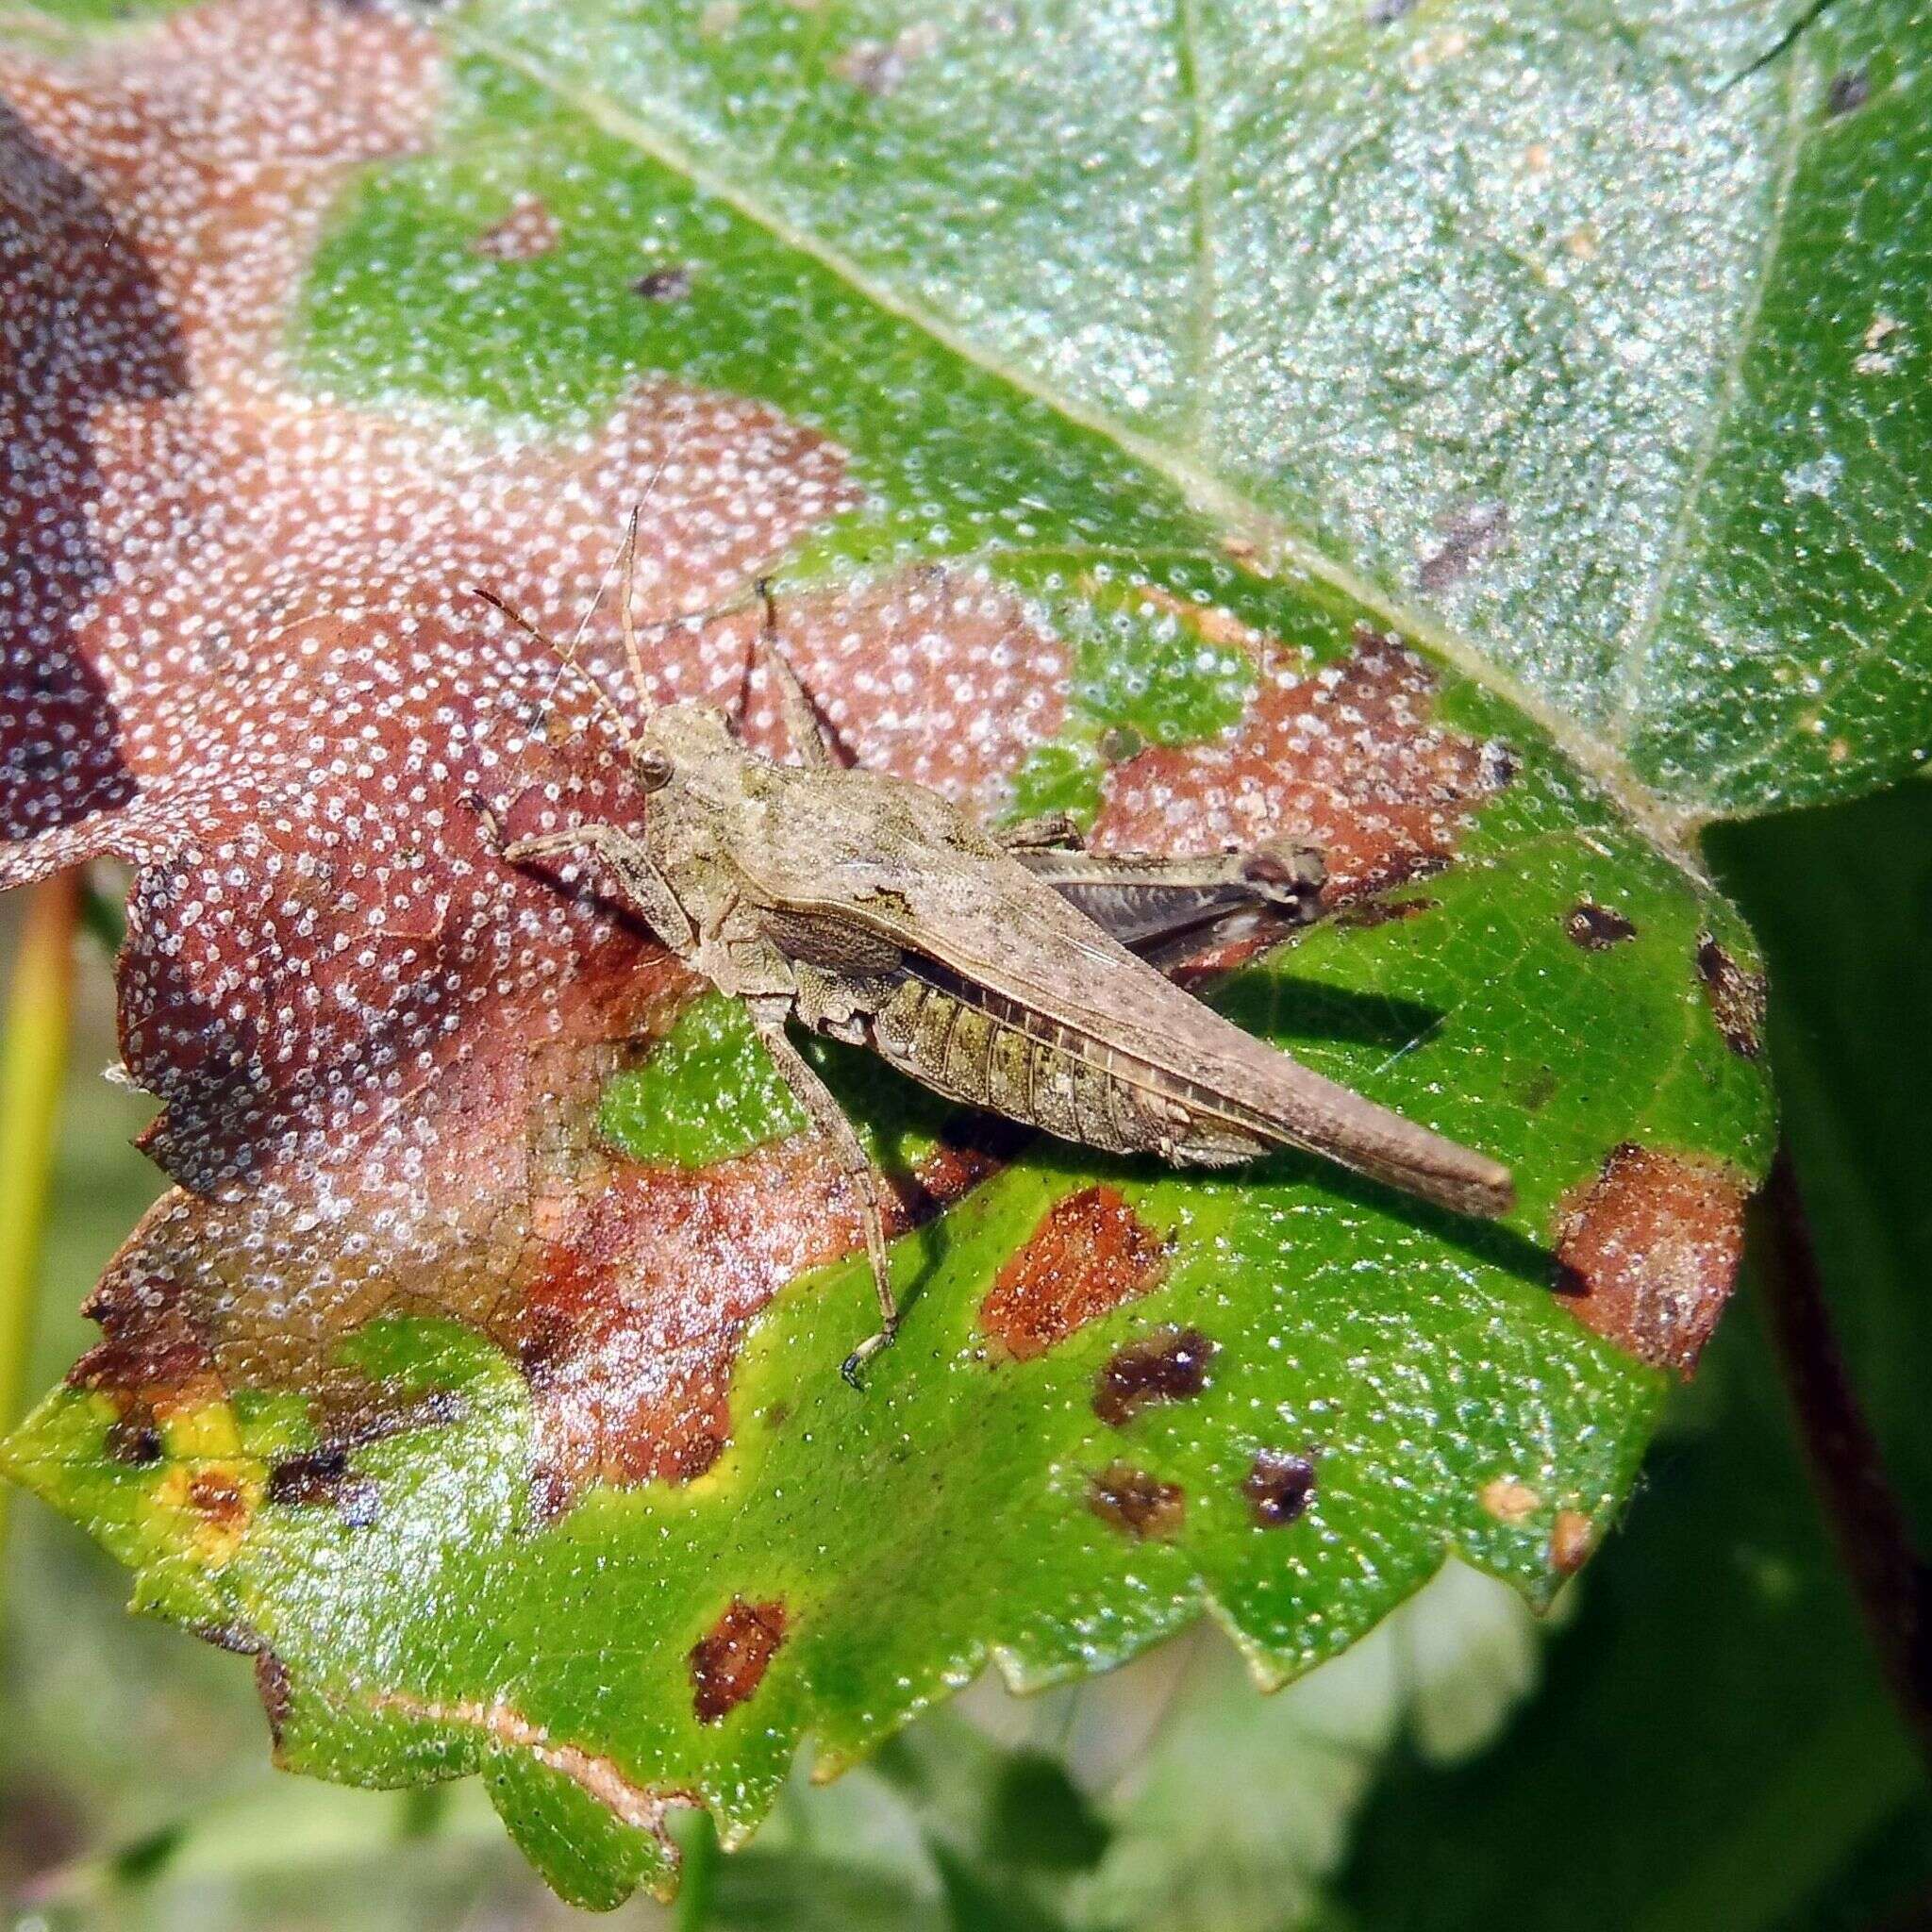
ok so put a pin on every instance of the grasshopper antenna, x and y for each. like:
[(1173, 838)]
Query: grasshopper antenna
[(629, 570), (566, 656)]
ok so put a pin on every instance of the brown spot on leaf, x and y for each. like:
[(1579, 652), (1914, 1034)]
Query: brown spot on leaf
[(1279, 1488), (1089, 1254), (878, 67), (151, 1340), (1597, 928), (218, 1495), (1169, 1365), (272, 1686), (956, 1163), (641, 1281), (1509, 1501), (1366, 914), (1650, 1250), (527, 231), (1468, 534), (237, 1636), (219, 1500), (1737, 997), (671, 283), (1849, 92), (1572, 1538), (939, 674), (1139, 1503), (729, 1662), (1343, 760), (134, 1438), (322, 1477)]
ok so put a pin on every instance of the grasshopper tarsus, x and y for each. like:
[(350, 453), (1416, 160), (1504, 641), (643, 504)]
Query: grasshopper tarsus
[(488, 820), (854, 1367)]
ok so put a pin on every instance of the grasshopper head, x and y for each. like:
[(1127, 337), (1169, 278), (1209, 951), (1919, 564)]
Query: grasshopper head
[(679, 742)]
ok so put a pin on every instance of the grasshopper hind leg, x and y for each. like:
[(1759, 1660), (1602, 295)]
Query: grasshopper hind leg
[(822, 1109)]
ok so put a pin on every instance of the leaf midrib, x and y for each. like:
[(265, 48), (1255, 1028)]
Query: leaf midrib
[(1671, 829)]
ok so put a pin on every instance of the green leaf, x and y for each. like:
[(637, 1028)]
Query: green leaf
[(1780, 1789), (1221, 426), (1589, 345)]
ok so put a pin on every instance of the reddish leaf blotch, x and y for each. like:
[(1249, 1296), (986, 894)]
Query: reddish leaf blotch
[(1649, 1252), (729, 1662), (1089, 1254)]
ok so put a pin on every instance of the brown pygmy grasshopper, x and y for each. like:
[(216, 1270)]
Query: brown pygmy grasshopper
[(1009, 970)]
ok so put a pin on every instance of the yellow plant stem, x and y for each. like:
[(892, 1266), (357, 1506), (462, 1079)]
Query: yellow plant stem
[(33, 1068)]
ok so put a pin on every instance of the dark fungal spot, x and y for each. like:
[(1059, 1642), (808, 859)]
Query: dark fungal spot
[(1370, 913), (1386, 12), (238, 1639), (1849, 92), (1279, 1487), (322, 1476), (1736, 995), (134, 1439), (1134, 1501), (313, 1477), (1538, 1090), (671, 283), (1170, 1365), (1468, 534), (1597, 928), (729, 1662)]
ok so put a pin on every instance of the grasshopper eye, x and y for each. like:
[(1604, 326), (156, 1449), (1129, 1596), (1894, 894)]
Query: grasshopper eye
[(652, 770)]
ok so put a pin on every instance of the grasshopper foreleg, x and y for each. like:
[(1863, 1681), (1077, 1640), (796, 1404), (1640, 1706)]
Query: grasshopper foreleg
[(640, 882), (803, 724), (822, 1109)]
